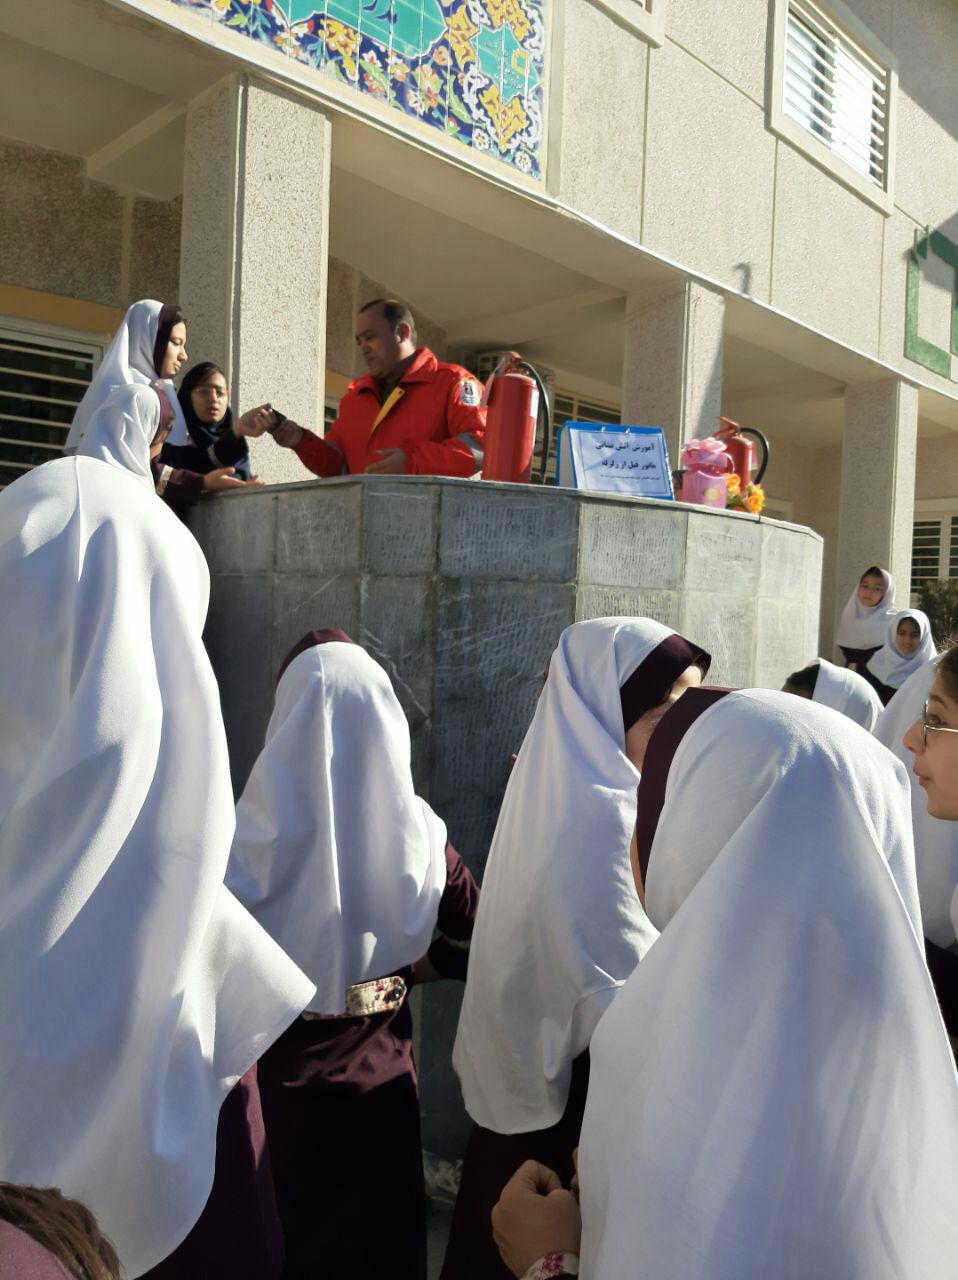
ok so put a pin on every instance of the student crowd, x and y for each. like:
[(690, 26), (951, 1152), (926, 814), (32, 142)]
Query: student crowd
[(702, 1036)]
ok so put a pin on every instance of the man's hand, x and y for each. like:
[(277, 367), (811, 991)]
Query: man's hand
[(393, 463), (254, 422), (288, 433), (535, 1216), (224, 478)]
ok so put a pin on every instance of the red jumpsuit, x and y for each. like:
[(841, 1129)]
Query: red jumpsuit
[(432, 413)]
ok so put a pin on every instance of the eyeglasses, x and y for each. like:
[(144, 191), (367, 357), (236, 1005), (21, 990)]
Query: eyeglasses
[(927, 728)]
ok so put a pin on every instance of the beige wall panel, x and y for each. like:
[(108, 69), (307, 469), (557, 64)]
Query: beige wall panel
[(936, 468), (827, 268), (926, 44), (602, 78), (255, 250), (154, 270), (817, 507), (206, 244), (60, 232), (709, 174), (283, 255), (731, 41), (789, 471), (340, 329), (877, 499), (672, 363)]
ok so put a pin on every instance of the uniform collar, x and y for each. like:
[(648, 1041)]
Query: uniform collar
[(422, 369)]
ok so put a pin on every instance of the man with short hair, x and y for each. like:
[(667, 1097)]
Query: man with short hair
[(411, 414)]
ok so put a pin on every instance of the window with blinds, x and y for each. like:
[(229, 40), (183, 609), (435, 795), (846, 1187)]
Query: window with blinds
[(834, 88), (42, 380), (934, 549), (568, 408)]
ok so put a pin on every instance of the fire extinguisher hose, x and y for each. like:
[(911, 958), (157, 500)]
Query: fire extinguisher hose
[(544, 415)]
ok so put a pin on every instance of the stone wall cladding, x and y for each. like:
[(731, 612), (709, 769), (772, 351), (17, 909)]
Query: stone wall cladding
[(461, 591)]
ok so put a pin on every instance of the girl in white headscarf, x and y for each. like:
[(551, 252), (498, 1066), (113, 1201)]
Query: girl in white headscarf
[(136, 991), (559, 927), (920, 725), (839, 688), (128, 430), (908, 646), (864, 620), (149, 350), (350, 871), (148, 347), (773, 1095)]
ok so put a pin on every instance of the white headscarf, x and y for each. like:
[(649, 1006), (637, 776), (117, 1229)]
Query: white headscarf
[(848, 692), (889, 665), (122, 430), (128, 359), (135, 989), (864, 627), (335, 854), (772, 1093), (936, 841), (559, 926)]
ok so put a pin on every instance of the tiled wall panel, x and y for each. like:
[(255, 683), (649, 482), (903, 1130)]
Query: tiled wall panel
[(473, 69)]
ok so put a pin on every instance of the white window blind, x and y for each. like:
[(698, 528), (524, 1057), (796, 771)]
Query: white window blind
[(836, 90), (568, 407), (934, 549), (42, 379)]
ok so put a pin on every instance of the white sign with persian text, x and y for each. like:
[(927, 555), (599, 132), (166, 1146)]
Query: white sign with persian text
[(615, 459)]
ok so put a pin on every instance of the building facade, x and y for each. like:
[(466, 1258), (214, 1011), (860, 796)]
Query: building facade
[(676, 211)]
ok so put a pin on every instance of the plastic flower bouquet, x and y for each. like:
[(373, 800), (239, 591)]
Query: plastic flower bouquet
[(752, 500)]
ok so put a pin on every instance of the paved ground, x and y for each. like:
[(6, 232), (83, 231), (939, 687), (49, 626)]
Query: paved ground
[(437, 1232)]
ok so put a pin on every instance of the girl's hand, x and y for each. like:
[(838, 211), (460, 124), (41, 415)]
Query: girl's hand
[(222, 478), (254, 422), (535, 1216)]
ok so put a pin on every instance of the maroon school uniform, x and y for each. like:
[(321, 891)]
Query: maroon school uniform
[(490, 1161), (238, 1235), (341, 1103), (858, 658)]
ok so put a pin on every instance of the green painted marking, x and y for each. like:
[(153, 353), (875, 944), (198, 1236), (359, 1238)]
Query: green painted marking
[(929, 354)]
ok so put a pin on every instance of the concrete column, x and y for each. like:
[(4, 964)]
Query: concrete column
[(672, 366), (877, 497), (254, 254)]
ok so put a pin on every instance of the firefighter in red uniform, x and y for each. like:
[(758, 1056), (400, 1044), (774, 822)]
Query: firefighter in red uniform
[(410, 415)]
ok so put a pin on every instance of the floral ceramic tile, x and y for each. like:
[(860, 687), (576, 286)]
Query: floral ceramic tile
[(473, 69)]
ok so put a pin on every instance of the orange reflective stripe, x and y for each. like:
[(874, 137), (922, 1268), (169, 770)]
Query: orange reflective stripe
[(390, 402)]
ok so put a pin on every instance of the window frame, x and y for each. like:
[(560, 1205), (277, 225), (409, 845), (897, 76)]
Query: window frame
[(804, 140), (645, 17), (55, 336), (944, 510), (581, 403)]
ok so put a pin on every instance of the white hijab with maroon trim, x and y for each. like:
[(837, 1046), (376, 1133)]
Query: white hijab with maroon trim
[(559, 926), (335, 854), (772, 1092), (135, 989)]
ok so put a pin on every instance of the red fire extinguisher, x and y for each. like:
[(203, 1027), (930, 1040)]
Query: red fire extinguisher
[(742, 452), (516, 398)]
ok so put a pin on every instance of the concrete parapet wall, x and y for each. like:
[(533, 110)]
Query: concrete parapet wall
[(461, 590)]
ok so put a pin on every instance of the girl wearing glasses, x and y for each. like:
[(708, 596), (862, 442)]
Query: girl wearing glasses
[(933, 740)]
